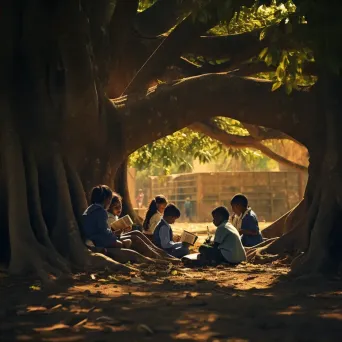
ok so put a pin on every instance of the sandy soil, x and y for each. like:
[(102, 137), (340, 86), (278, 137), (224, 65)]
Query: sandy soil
[(246, 303)]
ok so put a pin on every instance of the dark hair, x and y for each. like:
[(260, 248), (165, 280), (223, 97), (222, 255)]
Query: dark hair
[(240, 199), (222, 211), (152, 209), (100, 193), (172, 211), (115, 200)]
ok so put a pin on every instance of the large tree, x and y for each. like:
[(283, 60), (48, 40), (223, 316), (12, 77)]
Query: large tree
[(63, 61)]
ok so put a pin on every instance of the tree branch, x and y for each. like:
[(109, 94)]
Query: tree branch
[(242, 46), (168, 108), (210, 129), (171, 48), (121, 23), (161, 17), (262, 133), (187, 68)]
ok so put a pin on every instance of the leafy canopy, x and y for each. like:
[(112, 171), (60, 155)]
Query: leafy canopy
[(178, 150)]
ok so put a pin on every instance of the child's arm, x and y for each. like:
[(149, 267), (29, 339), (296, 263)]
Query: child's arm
[(104, 233), (164, 234)]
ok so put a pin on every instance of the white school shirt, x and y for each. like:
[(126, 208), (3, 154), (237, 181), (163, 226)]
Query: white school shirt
[(230, 244), (154, 220)]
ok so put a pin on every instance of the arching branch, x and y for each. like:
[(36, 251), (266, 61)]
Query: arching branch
[(210, 129), (168, 108), (242, 46), (171, 47), (161, 17), (187, 68)]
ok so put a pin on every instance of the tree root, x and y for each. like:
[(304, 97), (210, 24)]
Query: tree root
[(98, 261), (66, 235), (285, 223), (37, 219)]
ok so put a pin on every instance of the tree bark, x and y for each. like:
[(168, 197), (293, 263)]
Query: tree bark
[(161, 17), (198, 98)]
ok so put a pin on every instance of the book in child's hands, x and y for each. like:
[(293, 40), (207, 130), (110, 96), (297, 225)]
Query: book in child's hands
[(188, 237), (122, 223)]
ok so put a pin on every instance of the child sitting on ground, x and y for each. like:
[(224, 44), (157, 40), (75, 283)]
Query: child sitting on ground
[(246, 221), (154, 214), (163, 234), (97, 232), (114, 211), (227, 246), (95, 225)]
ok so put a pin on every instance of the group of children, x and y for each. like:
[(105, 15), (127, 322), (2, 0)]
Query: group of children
[(157, 242)]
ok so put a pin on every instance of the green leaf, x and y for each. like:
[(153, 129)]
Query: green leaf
[(276, 85), (263, 34), (269, 59), (263, 53), (280, 73)]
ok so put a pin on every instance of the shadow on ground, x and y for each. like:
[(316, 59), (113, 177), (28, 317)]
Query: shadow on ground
[(223, 304)]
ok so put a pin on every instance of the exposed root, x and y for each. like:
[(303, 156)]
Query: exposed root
[(66, 235), (36, 215), (285, 223), (100, 261), (77, 194), (27, 254), (318, 259)]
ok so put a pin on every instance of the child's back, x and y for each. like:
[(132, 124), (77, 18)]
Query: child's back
[(230, 243), (95, 227), (249, 222)]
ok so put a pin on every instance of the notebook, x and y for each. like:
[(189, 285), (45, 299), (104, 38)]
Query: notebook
[(122, 223), (188, 237)]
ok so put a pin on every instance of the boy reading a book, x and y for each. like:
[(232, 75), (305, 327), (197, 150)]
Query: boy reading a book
[(163, 234), (227, 246), (246, 221)]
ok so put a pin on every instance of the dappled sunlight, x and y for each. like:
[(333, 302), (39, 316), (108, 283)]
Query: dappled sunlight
[(208, 304)]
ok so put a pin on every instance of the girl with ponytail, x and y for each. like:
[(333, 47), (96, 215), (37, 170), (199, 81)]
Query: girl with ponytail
[(154, 214)]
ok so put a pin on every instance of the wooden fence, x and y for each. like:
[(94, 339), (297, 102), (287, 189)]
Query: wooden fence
[(270, 194)]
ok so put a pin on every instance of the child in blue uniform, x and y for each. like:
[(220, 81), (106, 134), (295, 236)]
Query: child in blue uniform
[(246, 221), (95, 225), (163, 234)]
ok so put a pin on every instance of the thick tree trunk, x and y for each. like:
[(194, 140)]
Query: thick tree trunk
[(121, 186), (312, 231), (324, 189)]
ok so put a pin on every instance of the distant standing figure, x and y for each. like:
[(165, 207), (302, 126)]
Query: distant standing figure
[(140, 198), (188, 209), (245, 221)]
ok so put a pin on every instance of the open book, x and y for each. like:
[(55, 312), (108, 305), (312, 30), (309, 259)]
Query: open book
[(122, 223), (188, 237)]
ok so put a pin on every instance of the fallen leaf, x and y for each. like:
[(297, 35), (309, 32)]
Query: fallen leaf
[(145, 329), (35, 288), (137, 280), (58, 306), (108, 320), (84, 321)]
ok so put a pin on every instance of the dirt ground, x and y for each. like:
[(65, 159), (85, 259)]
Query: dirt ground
[(245, 303)]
